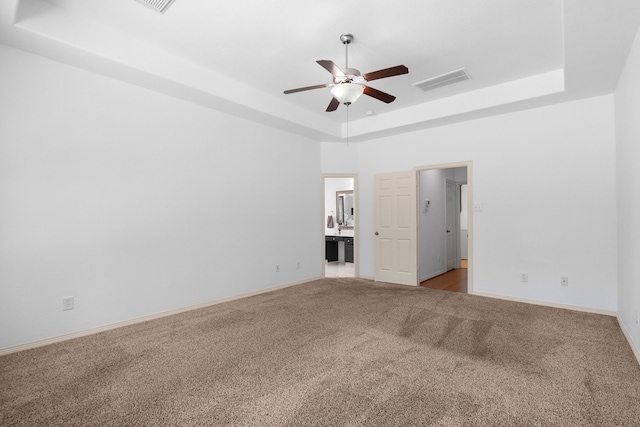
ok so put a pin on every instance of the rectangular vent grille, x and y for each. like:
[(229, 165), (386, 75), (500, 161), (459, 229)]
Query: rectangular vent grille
[(157, 5), (443, 80)]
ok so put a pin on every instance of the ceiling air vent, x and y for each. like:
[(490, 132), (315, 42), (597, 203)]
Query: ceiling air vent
[(157, 5), (443, 80)]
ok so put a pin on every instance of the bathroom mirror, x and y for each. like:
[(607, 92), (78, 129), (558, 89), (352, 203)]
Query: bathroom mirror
[(344, 208)]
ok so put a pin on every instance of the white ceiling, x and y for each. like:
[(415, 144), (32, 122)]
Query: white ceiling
[(240, 56)]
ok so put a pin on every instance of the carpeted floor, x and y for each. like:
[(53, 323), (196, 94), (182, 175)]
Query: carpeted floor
[(336, 352)]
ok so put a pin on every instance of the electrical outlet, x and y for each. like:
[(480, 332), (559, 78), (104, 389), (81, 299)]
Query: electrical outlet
[(297, 265), (524, 277), (277, 268), (67, 303), (564, 281)]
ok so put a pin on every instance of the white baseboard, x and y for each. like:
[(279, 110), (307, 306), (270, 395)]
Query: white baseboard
[(91, 331), (627, 335), (615, 314), (549, 304)]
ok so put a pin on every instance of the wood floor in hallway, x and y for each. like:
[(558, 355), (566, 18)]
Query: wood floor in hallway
[(454, 280)]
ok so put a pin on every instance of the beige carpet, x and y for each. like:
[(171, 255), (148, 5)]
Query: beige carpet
[(336, 352)]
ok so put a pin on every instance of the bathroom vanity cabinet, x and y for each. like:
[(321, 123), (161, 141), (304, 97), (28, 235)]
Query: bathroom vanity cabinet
[(331, 247)]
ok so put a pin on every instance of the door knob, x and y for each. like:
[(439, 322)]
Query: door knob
[(376, 233), (448, 231)]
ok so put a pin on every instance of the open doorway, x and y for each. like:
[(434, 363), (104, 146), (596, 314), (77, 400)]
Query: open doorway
[(443, 230), (340, 224)]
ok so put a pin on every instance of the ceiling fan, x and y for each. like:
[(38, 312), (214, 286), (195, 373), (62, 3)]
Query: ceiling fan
[(348, 84)]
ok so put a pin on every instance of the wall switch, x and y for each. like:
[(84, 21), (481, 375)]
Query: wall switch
[(524, 277), (297, 265), (277, 268), (564, 281), (67, 303)]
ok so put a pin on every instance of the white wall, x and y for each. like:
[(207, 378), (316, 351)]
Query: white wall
[(137, 203), (627, 105), (546, 179)]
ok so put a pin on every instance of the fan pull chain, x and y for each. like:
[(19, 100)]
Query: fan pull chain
[(347, 125)]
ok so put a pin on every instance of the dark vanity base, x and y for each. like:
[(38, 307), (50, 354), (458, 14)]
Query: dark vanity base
[(348, 249), (331, 248)]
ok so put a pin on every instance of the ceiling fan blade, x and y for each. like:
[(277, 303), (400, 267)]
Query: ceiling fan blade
[(331, 67), (300, 89), (387, 72), (333, 105), (378, 94)]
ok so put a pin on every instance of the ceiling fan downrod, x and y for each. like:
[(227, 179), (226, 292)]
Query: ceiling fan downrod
[(346, 38)]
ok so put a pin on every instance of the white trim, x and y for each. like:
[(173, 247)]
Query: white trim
[(625, 332), (91, 331), (627, 335), (548, 304)]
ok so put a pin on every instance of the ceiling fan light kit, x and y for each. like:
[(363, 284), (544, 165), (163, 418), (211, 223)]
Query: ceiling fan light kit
[(347, 93), (348, 84)]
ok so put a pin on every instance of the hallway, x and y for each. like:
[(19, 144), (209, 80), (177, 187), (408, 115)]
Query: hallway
[(454, 281)]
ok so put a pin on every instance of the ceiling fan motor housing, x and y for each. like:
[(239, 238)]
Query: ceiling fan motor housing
[(351, 75)]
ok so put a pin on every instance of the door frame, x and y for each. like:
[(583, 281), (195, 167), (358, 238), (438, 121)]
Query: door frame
[(469, 165), (356, 218)]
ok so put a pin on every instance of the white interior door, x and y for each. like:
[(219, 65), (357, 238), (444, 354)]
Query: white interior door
[(396, 228), (452, 226)]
